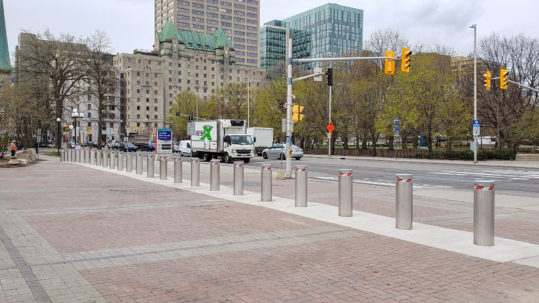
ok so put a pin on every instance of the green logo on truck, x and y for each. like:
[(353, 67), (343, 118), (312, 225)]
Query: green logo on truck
[(207, 134)]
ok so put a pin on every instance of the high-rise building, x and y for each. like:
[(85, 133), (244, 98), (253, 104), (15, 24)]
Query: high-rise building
[(5, 66), (239, 19), (327, 31)]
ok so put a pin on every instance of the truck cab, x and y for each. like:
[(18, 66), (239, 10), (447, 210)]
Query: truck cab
[(238, 146)]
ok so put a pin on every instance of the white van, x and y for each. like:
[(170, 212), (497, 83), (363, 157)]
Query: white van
[(185, 148)]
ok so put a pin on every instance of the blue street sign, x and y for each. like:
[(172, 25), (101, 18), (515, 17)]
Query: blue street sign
[(476, 128), (476, 123), (397, 130), (397, 123)]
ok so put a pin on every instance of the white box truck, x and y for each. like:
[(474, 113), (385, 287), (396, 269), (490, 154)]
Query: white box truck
[(263, 138), (222, 138)]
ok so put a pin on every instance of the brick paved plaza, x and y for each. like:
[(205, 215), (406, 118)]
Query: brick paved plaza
[(71, 233)]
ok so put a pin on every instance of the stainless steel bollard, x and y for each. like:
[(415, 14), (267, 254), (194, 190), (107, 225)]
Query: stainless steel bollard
[(345, 193), (139, 164), (404, 201), (129, 163), (72, 155), (215, 175), (77, 156), (98, 156), (178, 178), (91, 156), (112, 162), (266, 181), (195, 173), (483, 213), (84, 155), (63, 155), (163, 168), (301, 186), (238, 178), (105, 160), (121, 161), (150, 166)]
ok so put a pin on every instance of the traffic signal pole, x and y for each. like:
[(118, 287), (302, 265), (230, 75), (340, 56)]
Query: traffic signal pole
[(330, 134)]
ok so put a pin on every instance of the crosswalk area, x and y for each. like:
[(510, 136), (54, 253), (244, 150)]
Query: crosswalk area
[(496, 174)]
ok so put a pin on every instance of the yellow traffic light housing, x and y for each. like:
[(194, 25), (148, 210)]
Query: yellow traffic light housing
[(406, 60), (503, 78), (297, 113), (488, 77), (389, 67)]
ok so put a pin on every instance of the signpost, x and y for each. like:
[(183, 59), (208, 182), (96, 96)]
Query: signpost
[(163, 141)]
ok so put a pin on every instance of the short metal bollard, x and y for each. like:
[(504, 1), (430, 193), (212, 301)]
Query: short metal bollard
[(121, 161), (112, 163), (149, 166), (163, 168), (129, 163), (178, 178), (98, 157), (85, 156), (77, 156), (483, 213), (139, 164), (105, 160), (195, 173), (238, 178), (345, 193), (215, 175), (63, 155), (301, 186), (91, 156), (404, 201), (266, 181), (72, 156)]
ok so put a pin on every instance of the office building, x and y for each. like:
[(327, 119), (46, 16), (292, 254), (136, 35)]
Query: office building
[(330, 30), (184, 61), (239, 19)]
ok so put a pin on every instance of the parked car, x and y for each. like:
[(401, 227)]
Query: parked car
[(91, 144), (150, 146), (185, 148), (128, 147), (116, 145), (278, 150)]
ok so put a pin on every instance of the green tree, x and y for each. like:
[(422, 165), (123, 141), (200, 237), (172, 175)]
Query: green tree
[(184, 105)]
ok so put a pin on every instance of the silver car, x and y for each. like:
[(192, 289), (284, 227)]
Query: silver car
[(278, 150)]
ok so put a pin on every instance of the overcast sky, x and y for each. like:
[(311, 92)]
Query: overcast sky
[(129, 23)]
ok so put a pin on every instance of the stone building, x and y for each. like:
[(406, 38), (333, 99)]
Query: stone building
[(184, 61)]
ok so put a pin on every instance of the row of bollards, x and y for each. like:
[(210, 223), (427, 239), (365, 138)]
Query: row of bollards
[(484, 192)]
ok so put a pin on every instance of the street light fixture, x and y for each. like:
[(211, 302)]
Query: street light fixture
[(58, 120), (76, 115)]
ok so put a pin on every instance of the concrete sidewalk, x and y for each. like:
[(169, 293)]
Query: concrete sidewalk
[(499, 163), (72, 233)]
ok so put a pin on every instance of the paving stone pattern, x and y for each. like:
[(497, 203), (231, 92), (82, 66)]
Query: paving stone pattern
[(73, 234)]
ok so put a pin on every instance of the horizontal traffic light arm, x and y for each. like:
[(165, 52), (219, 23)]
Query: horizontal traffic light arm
[(516, 83), (307, 77), (310, 60)]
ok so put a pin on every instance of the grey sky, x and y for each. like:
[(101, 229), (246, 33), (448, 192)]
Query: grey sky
[(129, 23)]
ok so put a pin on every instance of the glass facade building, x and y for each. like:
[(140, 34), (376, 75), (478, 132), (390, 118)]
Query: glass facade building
[(327, 31)]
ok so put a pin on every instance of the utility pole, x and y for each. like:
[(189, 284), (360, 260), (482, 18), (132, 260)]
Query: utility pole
[(289, 122)]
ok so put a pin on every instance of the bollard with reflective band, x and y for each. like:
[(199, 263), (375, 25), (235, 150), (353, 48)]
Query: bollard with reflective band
[(121, 161), (163, 168), (483, 213), (215, 175), (178, 178), (195, 173), (89, 156), (129, 163), (72, 155), (238, 178), (62, 156), (105, 159), (404, 201), (112, 163), (346, 205), (85, 156), (77, 156), (139, 164), (301, 186), (149, 166), (266, 181)]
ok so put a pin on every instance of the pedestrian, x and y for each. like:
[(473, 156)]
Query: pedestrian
[(13, 148), (36, 146)]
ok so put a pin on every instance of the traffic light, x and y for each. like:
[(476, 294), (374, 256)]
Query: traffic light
[(488, 77), (297, 113), (406, 60), (329, 73), (503, 78), (390, 63)]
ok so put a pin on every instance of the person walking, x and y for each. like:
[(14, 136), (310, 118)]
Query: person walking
[(13, 148)]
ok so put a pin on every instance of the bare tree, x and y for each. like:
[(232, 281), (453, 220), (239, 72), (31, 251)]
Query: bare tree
[(382, 40), (101, 78)]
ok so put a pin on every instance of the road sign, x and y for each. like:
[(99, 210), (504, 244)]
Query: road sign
[(330, 127), (318, 70), (163, 141), (476, 128), (397, 123)]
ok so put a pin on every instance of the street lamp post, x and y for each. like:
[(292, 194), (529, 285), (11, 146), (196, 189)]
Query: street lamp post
[(58, 134), (474, 26), (76, 115), (248, 101)]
